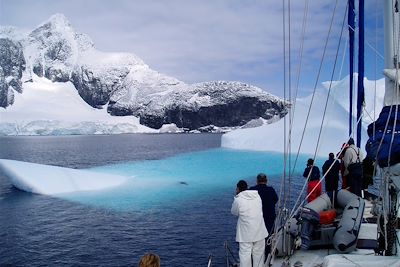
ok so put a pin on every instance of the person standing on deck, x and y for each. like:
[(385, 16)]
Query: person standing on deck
[(250, 230), (313, 174), (342, 167), (331, 173), (269, 198), (352, 160)]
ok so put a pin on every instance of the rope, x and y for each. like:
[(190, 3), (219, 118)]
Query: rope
[(229, 251)]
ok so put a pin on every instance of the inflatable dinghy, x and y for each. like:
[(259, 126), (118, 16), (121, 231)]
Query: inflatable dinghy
[(344, 235)]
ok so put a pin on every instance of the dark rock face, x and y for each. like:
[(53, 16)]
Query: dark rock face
[(96, 90), (194, 107), (115, 109), (55, 51), (235, 113), (12, 64)]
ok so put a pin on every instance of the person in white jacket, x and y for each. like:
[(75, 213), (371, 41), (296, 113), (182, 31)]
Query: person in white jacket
[(250, 230)]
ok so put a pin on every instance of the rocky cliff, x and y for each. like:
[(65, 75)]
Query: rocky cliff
[(123, 84)]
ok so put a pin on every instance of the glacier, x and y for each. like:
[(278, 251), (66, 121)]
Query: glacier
[(55, 108)]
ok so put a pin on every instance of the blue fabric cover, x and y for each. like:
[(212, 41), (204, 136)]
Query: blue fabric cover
[(372, 145)]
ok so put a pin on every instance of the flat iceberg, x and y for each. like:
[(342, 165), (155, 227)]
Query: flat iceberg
[(53, 180)]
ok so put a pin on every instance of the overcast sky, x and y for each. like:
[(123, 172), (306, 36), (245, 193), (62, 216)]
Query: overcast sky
[(203, 40)]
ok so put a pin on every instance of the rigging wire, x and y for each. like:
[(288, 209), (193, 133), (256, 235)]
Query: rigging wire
[(314, 89), (292, 100), (293, 107), (313, 95), (303, 31), (319, 182), (325, 107), (289, 92), (283, 184), (343, 58), (277, 234), (330, 87)]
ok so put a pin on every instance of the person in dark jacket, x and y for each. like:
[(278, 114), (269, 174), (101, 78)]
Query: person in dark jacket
[(269, 198), (313, 174), (332, 174)]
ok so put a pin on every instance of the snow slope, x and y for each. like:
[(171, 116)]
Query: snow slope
[(56, 108)]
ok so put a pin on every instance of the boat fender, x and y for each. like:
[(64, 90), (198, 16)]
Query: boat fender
[(323, 202), (310, 218), (346, 234)]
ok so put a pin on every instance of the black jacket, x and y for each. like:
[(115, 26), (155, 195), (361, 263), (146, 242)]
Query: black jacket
[(269, 198), (332, 177), (315, 173)]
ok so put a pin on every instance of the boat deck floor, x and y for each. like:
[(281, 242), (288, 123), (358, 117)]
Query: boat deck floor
[(330, 257)]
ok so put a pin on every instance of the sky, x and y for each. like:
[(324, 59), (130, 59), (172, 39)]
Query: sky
[(205, 40)]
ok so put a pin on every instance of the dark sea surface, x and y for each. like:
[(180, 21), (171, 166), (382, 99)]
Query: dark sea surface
[(176, 203)]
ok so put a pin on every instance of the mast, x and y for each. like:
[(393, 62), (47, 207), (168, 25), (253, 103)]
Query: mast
[(388, 151), (360, 82), (351, 25), (360, 87), (391, 58)]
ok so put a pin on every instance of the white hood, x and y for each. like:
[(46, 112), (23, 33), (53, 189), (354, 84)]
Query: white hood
[(248, 194)]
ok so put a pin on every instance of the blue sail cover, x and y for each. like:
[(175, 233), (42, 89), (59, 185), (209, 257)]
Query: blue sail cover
[(389, 152)]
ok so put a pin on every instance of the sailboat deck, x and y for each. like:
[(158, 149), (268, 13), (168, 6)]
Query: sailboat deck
[(331, 257)]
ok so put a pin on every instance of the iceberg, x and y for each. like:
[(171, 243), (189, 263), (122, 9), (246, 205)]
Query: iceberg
[(53, 180), (334, 132)]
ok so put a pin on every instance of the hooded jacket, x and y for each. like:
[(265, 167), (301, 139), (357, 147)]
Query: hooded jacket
[(250, 225)]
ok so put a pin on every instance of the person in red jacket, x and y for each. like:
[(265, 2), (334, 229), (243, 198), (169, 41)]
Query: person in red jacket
[(312, 173)]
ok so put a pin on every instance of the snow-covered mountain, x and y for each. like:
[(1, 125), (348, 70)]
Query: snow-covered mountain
[(120, 83), (335, 125)]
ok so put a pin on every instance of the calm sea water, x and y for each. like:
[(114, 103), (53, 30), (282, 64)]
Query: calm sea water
[(176, 203)]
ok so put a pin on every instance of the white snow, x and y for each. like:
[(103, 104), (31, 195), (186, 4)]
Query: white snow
[(53, 180), (47, 107), (170, 128), (270, 137)]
